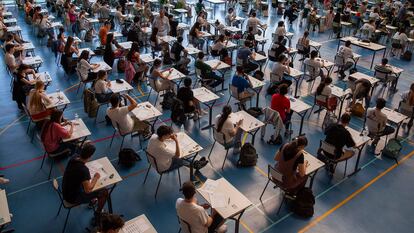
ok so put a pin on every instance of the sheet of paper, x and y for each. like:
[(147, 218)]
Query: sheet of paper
[(210, 186), (218, 200), (95, 167), (139, 226)]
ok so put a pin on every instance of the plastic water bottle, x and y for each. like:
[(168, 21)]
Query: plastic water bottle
[(182, 128), (76, 117), (365, 132)]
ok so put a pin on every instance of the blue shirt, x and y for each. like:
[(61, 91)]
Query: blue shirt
[(244, 54), (240, 82)]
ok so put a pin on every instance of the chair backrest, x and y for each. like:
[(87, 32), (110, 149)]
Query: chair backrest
[(239, 61), (152, 160), (373, 125), (405, 108), (311, 71), (339, 60), (274, 77), (57, 189), (328, 148), (234, 92), (380, 75), (185, 226), (300, 47), (219, 136), (152, 84), (270, 115), (273, 174)]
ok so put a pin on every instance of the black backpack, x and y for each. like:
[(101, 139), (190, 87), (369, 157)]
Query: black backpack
[(248, 156), (406, 56), (177, 112), (128, 157), (392, 149), (255, 111), (168, 100), (303, 203)]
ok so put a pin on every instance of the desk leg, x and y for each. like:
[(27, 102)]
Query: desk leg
[(301, 122), (110, 199), (342, 100), (254, 135), (258, 96), (339, 43), (398, 129), (210, 116), (297, 86), (373, 58), (237, 225), (357, 162), (312, 179)]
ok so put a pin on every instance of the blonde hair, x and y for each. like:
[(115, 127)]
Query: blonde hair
[(36, 99)]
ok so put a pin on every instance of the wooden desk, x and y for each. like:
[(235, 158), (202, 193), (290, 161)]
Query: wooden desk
[(120, 87), (300, 108), (235, 202), (250, 124), (360, 142), (109, 176), (102, 66), (58, 99), (80, 130), (139, 224), (208, 98), (145, 111)]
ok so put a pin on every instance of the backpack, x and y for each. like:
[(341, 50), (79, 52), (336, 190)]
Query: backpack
[(177, 112), (259, 75), (357, 110), (392, 149), (303, 203), (121, 65), (90, 104), (128, 157), (406, 56), (248, 156), (272, 89), (255, 112), (168, 100)]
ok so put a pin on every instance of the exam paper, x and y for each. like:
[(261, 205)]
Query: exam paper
[(218, 200), (139, 226)]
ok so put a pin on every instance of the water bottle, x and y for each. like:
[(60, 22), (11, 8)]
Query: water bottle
[(365, 132), (182, 128), (76, 117)]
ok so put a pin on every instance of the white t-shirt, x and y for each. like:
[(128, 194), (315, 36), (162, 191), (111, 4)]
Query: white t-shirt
[(217, 46), (162, 24), (326, 92), (100, 87), (280, 31), (368, 27), (377, 116), (279, 69), (83, 68), (315, 64), (374, 15), (346, 52), (402, 37), (161, 152), (252, 22), (193, 214), (228, 127), (121, 116)]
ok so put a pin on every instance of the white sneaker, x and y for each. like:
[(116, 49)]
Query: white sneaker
[(4, 180), (222, 229)]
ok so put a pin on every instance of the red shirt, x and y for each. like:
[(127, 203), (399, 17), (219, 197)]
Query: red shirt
[(54, 136), (281, 104)]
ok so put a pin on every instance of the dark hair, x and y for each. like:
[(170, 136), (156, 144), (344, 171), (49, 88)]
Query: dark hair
[(164, 130), (114, 100), (9, 47), (322, 85), (200, 55), (384, 61), (239, 69), (131, 52), (314, 54), (306, 34), (345, 118), (254, 14), (101, 74), (84, 55), (381, 103), (111, 222), (223, 117), (347, 43), (281, 58), (301, 141), (283, 89), (180, 39), (188, 190), (107, 23), (68, 44), (157, 62), (187, 82), (154, 33), (88, 149), (55, 117), (23, 67), (280, 23)]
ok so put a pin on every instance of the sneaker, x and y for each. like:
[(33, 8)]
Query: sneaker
[(4, 180), (222, 229), (200, 164)]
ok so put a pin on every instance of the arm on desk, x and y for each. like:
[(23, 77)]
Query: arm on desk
[(89, 184)]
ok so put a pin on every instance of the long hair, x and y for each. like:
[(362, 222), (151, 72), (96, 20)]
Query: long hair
[(411, 95), (134, 48), (223, 117), (68, 44), (84, 55), (36, 99), (322, 85), (55, 117)]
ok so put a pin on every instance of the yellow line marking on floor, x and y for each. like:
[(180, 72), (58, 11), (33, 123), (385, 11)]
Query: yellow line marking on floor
[(261, 171), (354, 194), (140, 90), (246, 227), (11, 124)]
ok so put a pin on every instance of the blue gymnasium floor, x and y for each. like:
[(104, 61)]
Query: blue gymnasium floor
[(377, 199)]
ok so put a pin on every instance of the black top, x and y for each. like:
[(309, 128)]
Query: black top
[(75, 174), (176, 49), (186, 95), (299, 160), (173, 28), (338, 136)]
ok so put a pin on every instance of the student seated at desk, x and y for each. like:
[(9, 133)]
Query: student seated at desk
[(21, 85), (377, 122), (231, 18), (186, 95), (229, 126), (54, 131), (84, 67), (121, 118), (195, 36), (400, 41), (254, 22), (179, 55), (280, 30), (112, 50), (11, 61), (360, 89), (338, 136), (303, 45), (281, 67), (167, 159), (67, 61), (207, 72), (278, 48), (292, 165), (195, 215), (101, 86), (136, 69), (77, 183), (161, 80), (110, 223), (219, 47), (242, 83), (384, 68), (281, 104), (37, 101), (314, 67), (324, 95), (244, 54), (368, 30), (250, 37), (345, 51)]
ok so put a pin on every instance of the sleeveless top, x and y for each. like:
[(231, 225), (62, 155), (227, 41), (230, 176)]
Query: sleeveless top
[(291, 177)]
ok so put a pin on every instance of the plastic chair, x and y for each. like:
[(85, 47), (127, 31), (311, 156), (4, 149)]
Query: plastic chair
[(221, 139), (326, 150)]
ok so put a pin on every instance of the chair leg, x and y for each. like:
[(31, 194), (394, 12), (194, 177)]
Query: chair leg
[(146, 175), (225, 158), (209, 154), (122, 143), (310, 112), (51, 168), (156, 99), (66, 221), (112, 139), (346, 164), (261, 195), (28, 125), (149, 94), (281, 204), (179, 176), (60, 207), (228, 101), (77, 90), (158, 185), (43, 160)]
